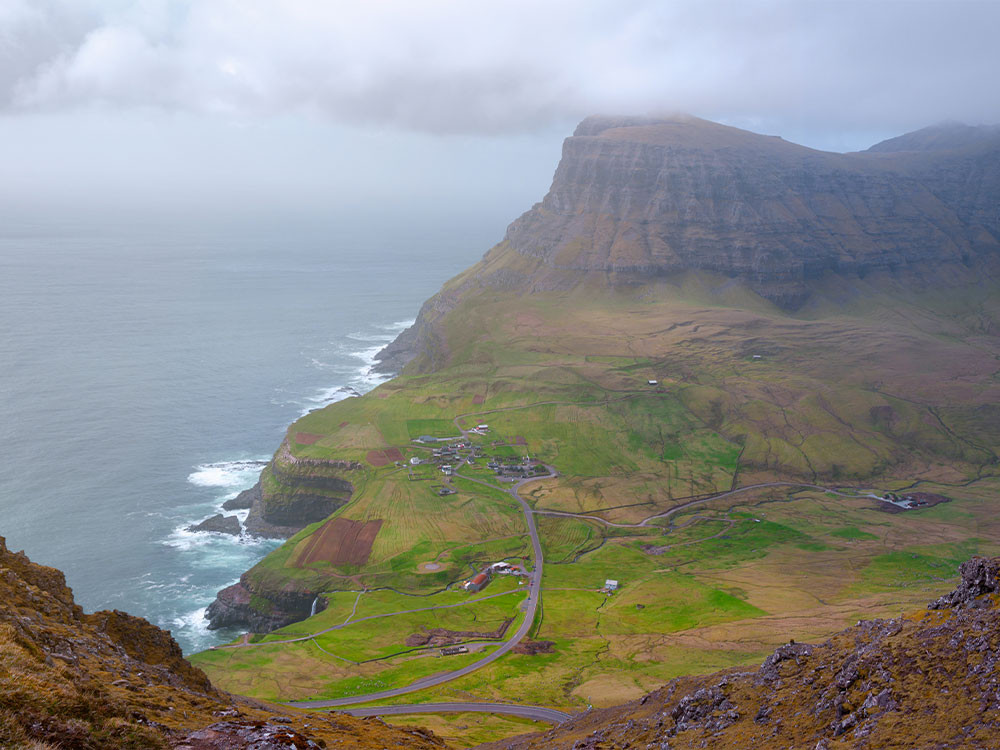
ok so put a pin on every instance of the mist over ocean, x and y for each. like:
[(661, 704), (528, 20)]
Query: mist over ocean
[(146, 376)]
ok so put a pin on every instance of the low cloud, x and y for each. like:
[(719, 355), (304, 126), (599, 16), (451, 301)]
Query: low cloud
[(453, 66)]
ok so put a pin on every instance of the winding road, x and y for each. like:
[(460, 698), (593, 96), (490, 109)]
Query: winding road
[(529, 607), (538, 713)]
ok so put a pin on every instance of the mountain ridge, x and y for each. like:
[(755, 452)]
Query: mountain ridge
[(636, 198)]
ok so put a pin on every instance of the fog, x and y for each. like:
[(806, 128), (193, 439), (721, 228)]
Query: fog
[(309, 108)]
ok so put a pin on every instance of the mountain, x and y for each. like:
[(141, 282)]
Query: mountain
[(638, 198), (110, 681), (926, 679), (733, 391)]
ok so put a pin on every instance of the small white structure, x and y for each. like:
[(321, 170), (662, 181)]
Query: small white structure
[(482, 427), (414, 461), (611, 585), (757, 356), (653, 382)]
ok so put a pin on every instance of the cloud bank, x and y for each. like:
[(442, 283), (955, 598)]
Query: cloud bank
[(458, 66)]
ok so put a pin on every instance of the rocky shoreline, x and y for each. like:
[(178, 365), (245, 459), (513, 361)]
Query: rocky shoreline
[(290, 494)]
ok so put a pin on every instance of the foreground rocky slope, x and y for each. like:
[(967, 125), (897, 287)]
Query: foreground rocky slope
[(927, 679), (109, 680)]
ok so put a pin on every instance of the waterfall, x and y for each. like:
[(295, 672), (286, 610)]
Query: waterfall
[(315, 604)]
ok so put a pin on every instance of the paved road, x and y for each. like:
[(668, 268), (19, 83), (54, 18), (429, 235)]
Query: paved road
[(530, 607), (527, 712), (347, 623)]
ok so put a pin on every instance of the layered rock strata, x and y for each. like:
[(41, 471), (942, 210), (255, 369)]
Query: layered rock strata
[(636, 199)]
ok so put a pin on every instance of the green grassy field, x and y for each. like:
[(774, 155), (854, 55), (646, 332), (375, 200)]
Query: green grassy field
[(870, 387)]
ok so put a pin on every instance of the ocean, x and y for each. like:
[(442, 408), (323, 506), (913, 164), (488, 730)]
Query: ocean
[(145, 377)]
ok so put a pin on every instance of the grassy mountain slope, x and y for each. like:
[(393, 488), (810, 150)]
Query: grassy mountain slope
[(883, 376), (924, 679)]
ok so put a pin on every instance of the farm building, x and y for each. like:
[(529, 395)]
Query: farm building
[(610, 586), (478, 582), (653, 382)]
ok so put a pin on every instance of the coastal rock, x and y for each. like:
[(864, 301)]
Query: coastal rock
[(294, 492), (219, 524), (242, 501), (238, 606)]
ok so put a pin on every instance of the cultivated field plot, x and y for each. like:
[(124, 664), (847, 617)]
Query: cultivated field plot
[(339, 541)]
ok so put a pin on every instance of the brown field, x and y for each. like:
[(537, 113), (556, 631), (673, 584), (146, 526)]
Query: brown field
[(383, 458), (341, 541), (306, 438), (479, 398)]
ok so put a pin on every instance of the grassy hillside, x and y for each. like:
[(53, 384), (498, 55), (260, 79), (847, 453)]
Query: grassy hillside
[(874, 386)]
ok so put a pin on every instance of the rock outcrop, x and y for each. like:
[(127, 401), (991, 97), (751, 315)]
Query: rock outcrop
[(112, 681), (239, 606), (924, 680), (218, 524), (294, 492)]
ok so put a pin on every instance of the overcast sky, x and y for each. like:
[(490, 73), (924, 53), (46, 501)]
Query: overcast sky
[(304, 105)]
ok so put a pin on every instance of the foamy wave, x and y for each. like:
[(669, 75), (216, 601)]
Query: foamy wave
[(399, 325), (229, 474), (216, 548), (384, 337), (194, 623)]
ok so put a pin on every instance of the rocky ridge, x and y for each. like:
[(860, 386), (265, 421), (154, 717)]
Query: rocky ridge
[(927, 680), (111, 681)]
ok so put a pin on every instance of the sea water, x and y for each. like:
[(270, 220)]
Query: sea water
[(146, 377)]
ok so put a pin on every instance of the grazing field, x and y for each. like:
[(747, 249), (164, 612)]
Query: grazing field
[(883, 392)]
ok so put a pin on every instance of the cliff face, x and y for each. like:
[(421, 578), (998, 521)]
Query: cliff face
[(111, 681), (295, 492), (656, 197), (636, 199), (924, 680)]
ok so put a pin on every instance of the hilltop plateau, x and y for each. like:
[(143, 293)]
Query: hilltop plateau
[(716, 390)]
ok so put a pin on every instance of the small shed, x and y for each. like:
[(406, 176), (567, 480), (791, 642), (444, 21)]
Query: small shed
[(653, 382), (611, 585)]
